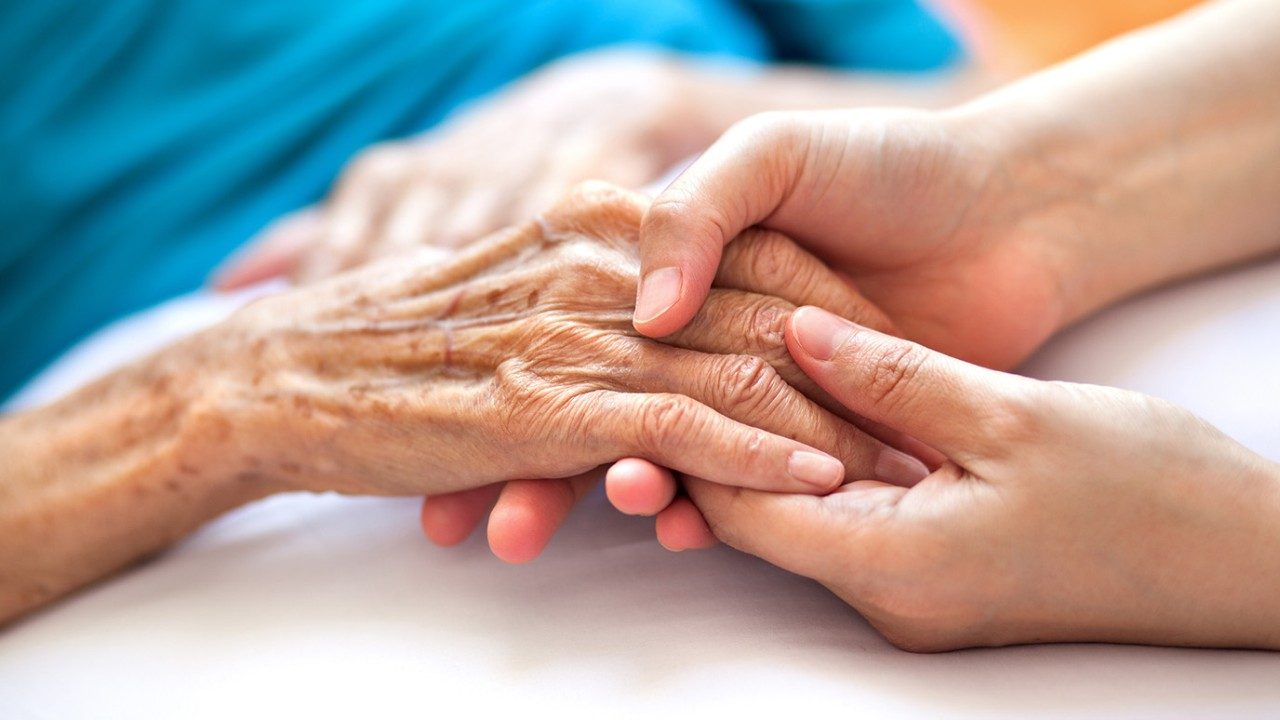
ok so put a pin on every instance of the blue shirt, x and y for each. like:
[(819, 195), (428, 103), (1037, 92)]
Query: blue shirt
[(142, 140)]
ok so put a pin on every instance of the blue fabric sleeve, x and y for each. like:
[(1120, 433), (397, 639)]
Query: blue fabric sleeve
[(143, 140), (891, 35)]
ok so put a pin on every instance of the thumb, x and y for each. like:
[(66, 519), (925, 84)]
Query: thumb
[(946, 403), (739, 181), (275, 252)]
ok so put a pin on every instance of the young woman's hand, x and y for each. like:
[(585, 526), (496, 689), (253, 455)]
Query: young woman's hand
[(982, 229), (923, 211), (1061, 512)]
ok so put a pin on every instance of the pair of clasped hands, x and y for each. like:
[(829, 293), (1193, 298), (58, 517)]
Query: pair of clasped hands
[(945, 248), (1017, 510)]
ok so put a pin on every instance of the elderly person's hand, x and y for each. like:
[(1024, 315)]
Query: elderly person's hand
[(1062, 512), (763, 278), (515, 359)]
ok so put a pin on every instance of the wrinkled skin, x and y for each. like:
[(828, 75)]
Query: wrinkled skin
[(924, 211), (517, 359), (513, 359)]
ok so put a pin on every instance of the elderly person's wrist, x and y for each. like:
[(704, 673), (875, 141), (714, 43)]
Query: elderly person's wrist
[(113, 472), (206, 430)]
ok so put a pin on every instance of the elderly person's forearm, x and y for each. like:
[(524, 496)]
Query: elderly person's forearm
[(517, 359), (115, 472)]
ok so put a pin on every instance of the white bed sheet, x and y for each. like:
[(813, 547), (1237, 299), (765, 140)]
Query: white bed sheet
[(327, 606)]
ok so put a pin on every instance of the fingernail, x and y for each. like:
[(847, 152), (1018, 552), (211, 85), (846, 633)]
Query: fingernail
[(821, 471), (819, 332), (659, 290), (899, 468)]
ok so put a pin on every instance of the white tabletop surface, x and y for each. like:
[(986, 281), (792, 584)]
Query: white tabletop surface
[(324, 606)]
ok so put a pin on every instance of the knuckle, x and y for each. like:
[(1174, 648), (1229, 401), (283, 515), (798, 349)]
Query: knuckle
[(662, 420), (766, 324), (599, 210), (751, 385), (771, 259), (893, 371)]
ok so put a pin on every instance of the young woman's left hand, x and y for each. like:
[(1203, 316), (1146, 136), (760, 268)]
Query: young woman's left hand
[(1062, 512)]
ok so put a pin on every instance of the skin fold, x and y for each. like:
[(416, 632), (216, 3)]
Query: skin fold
[(515, 359)]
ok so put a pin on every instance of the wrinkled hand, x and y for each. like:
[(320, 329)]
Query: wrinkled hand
[(614, 116), (517, 360), (779, 276), (928, 214), (1063, 512), (933, 217)]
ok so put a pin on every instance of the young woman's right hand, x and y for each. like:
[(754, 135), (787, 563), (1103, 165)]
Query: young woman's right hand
[(927, 213)]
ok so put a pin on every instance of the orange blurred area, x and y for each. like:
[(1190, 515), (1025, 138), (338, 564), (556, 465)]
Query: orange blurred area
[(1035, 33)]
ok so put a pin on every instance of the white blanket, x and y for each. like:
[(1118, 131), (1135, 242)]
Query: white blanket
[(305, 606)]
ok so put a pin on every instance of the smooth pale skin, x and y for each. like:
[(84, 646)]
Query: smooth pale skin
[(515, 359), (1063, 512), (1056, 511)]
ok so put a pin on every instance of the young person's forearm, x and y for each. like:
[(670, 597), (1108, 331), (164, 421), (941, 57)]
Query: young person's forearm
[(111, 474), (1163, 145), (720, 96)]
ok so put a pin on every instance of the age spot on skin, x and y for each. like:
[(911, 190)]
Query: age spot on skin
[(532, 299)]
